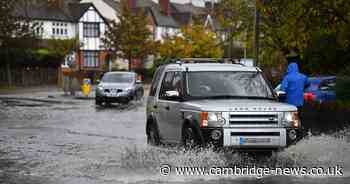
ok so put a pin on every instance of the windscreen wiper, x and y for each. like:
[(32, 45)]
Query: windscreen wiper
[(225, 97), (259, 97)]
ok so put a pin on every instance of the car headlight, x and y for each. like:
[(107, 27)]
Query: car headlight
[(212, 117), (292, 118), (127, 90), (100, 88)]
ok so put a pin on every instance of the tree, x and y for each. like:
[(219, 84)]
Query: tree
[(130, 38), (192, 42), (236, 18), (15, 32), (307, 27), (60, 48)]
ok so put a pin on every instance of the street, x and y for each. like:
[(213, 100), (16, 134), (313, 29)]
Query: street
[(67, 140)]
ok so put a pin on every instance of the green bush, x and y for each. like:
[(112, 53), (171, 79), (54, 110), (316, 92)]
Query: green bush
[(343, 88)]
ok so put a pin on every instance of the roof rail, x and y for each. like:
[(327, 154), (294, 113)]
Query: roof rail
[(207, 60), (233, 61), (198, 60)]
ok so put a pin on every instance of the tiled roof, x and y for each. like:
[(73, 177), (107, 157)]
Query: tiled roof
[(188, 8), (184, 12), (71, 11), (160, 18), (113, 4), (77, 10), (41, 11)]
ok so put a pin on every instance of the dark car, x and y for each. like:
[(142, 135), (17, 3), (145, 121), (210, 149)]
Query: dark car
[(321, 90), (118, 87)]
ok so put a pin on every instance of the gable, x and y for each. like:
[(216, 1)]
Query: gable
[(91, 15)]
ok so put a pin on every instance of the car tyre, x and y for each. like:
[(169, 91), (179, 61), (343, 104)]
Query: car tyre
[(153, 135), (189, 138), (107, 104), (139, 95), (126, 101), (98, 101)]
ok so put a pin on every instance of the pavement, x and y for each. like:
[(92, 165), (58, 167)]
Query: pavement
[(49, 93)]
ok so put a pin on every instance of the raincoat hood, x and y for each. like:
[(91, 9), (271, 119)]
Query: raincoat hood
[(294, 84), (293, 68)]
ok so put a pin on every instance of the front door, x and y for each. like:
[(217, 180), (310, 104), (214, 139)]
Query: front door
[(170, 109)]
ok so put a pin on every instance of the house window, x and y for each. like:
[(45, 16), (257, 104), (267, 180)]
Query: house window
[(91, 59), (91, 30), (59, 29)]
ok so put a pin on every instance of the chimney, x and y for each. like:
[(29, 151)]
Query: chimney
[(132, 4), (56, 3), (209, 5), (165, 6)]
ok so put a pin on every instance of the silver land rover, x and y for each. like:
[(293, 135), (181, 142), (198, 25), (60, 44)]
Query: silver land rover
[(225, 105)]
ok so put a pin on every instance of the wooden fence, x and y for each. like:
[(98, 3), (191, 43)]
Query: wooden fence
[(30, 75)]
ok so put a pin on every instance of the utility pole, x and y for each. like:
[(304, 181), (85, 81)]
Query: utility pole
[(191, 16), (257, 33), (231, 44), (8, 67)]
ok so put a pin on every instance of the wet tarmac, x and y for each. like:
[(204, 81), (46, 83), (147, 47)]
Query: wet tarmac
[(74, 141)]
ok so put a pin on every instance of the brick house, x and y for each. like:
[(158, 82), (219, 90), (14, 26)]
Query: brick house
[(68, 19)]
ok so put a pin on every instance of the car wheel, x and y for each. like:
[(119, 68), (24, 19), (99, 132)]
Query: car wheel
[(98, 101), (139, 94), (126, 101), (153, 136), (107, 103), (189, 138)]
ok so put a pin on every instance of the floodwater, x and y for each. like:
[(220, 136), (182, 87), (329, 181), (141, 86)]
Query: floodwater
[(73, 141)]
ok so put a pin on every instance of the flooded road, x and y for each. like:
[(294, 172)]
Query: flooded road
[(73, 141)]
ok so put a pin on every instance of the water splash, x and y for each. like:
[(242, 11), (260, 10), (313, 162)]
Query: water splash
[(314, 151)]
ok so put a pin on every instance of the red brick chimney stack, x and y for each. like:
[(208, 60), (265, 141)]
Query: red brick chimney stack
[(132, 4), (165, 7)]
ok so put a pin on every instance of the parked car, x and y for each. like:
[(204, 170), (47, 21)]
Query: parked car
[(119, 87), (226, 105), (321, 90)]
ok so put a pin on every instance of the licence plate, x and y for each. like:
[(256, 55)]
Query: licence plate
[(243, 140), (112, 94)]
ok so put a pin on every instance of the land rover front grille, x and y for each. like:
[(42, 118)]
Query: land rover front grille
[(253, 119)]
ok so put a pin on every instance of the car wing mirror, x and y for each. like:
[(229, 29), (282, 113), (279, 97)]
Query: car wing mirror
[(280, 93), (98, 81), (172, 95), (324, 88), (138, 82)]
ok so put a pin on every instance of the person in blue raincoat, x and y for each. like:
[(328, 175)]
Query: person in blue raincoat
[(294, 84)]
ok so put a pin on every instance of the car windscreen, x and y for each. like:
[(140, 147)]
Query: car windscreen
[(227, 84), (118, 78)]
